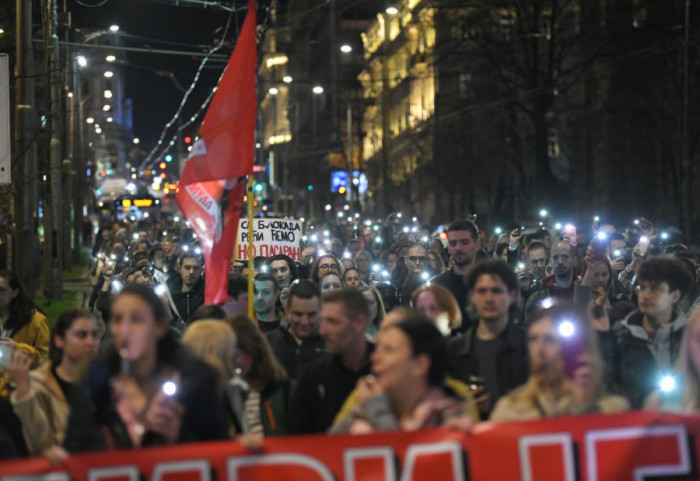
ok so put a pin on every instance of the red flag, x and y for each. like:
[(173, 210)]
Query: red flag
[(212, 184)]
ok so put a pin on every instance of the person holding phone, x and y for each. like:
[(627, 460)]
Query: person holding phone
[(494, 348), (41, 397), (406, 390), (145, 389), (566, 372), (22, 325), (647, 342)]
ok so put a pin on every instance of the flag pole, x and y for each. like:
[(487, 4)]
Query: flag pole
[(251, 306)]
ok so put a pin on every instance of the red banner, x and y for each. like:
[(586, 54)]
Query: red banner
[(212, 184), (631, 446)]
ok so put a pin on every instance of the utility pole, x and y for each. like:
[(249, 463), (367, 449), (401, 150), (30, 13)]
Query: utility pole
[(78, 165), (687, 164), (68, 184), (25, 171), (53, 236)]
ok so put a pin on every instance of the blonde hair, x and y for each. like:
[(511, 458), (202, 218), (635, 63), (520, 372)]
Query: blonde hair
[(445, 301), (381, 312), (214, 342)]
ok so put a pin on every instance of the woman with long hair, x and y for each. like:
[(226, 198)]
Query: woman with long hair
[(145, 389), (407, 390), (376, 310), (214, 342), (566, 372), (439, 305), (352, 277), (437, 265), (42, 397), (261, 391), (323, 265), (22, 325), (21, 321)]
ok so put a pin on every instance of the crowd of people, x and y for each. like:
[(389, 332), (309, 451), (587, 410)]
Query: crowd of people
[(381, 325)]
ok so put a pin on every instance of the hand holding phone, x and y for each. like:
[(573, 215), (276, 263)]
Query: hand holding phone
[(5, 354)]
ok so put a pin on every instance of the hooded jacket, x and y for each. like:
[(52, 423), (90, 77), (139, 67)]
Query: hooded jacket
[(640, 361), (185, 302)]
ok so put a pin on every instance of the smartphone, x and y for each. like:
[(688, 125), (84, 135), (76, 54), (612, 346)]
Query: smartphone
[(5, 354), (572, 346), (643, 245), (570, 232), (475, 382), (599, 244)]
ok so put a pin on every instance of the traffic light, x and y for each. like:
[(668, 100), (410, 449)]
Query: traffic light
[(310, 187), (162, 165), (188, 140), (258, 187), (168, 158)]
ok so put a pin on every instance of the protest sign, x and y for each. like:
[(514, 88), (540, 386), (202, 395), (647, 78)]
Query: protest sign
[(631, 446), (270, 237)]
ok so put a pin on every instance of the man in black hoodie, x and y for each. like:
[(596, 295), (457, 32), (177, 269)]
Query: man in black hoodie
[(186, 286)]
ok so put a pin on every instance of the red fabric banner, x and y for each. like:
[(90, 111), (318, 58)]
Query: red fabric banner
[(632, 446), (212, 184)]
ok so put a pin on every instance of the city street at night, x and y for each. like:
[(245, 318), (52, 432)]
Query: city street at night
[(349, 239)]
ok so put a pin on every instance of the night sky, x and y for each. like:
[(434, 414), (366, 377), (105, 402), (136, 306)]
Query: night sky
[(156, 97)]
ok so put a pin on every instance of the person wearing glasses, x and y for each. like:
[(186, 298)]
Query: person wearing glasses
[(323, 265), (417, 259), (648, 340)]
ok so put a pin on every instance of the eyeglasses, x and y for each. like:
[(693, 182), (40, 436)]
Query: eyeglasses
[(417, 259), (654, 288), (327, 267)]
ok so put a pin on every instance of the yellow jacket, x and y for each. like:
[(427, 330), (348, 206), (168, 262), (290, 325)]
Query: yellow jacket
[(460, 389), (32, 339)]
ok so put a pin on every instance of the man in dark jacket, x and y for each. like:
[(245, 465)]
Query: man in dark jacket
[(326, 382), (462, 244), (186, 286), (560, 284), (299, 343), (492, 355)]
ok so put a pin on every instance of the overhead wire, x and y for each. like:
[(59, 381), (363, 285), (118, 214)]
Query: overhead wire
[(151, 157)]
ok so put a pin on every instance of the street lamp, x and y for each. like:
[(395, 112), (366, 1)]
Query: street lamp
[(114, 28), (345, 48), (82, 61), (317, 90)]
